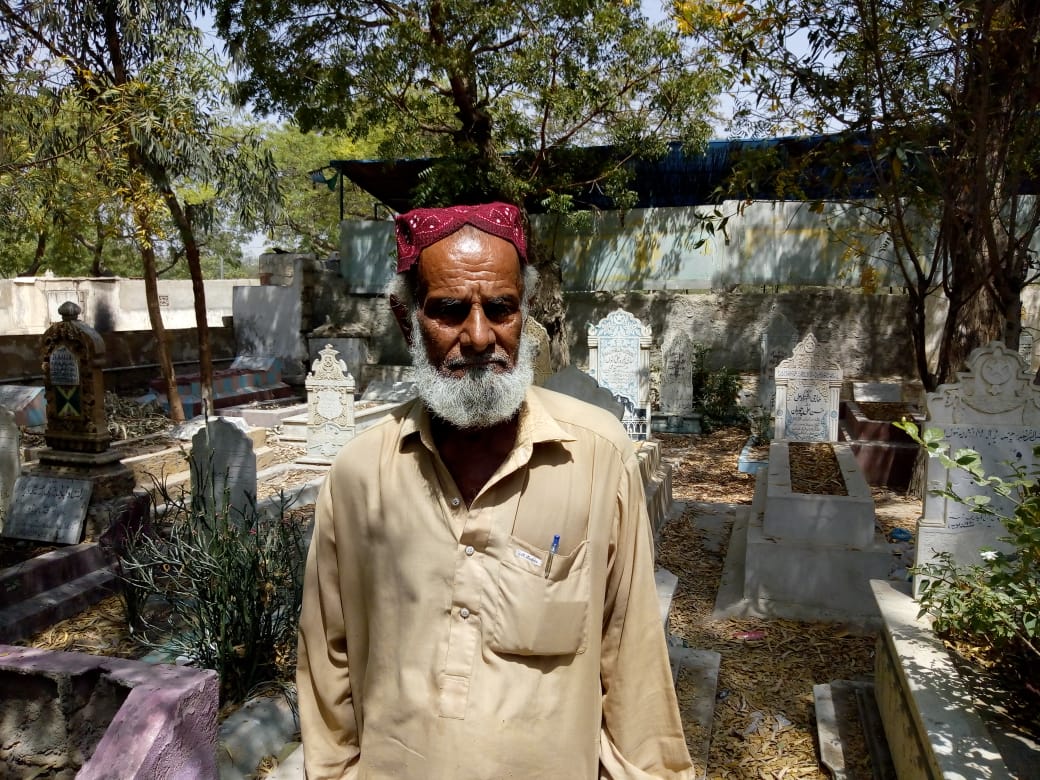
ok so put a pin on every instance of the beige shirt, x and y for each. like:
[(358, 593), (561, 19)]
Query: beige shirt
[(434, 646)]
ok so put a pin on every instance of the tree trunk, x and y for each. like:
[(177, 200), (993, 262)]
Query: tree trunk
[(548, 306), (973, 323), (41, 246), (162, 348), (186, 231)]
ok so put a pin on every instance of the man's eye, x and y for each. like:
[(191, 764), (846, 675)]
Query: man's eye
[(499, 311), (449, 310)]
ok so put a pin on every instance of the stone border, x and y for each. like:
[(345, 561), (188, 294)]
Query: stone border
[(931, 725), (166, 726)]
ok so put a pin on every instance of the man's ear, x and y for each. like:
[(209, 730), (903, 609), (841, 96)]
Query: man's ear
[(403, 317)]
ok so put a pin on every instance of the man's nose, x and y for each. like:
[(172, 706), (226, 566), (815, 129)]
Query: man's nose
[(477, 334)]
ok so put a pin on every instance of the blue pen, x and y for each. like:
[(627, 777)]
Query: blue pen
[(552, 551)]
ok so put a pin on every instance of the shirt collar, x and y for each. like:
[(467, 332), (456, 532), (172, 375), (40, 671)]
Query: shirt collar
[(536, 424)]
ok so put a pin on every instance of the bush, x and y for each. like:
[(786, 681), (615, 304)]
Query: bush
[(715, 393), (993, 604), (220, 587)]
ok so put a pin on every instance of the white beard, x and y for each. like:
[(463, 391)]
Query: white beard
[(479, 399)]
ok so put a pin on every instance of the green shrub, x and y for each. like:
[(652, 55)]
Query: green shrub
[(715, 393), (220, 587), (993, 604)]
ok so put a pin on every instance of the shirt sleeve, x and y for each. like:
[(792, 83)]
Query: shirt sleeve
[(641, 736), (331, 744)]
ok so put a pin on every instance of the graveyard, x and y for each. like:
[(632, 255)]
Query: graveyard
[(785, 568)]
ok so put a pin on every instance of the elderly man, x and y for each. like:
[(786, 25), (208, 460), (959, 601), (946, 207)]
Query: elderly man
[(479, 598)]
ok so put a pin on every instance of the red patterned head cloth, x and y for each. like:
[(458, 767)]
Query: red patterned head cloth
[(419, 228)]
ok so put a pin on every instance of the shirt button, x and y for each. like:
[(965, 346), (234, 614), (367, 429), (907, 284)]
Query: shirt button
[(464, 613), (469, 549), (455, 501)]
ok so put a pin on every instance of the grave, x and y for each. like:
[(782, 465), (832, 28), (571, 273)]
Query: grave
[(994, 409), (330, 407), (619, 360), (223, 464), (78, 483), (247, 379), (65, 714), (10, 462), (29, 404), (677, 386), (805, 556), (885, 454), (808, 386), (542, 357)]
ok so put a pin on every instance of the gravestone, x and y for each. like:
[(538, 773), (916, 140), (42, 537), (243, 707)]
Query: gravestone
[(48, 509), (352, 351), (994, 409), (542, 359), (222, 461), (619, 360), (677, 384), (10, 461), (78, 483), (808, 387), (73, 356), (330, 406), (577, 384), (778, 340)]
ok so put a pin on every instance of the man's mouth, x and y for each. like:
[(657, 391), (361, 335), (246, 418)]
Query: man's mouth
[(466, 364)]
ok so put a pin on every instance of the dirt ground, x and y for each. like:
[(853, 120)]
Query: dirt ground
[(764, 717), (764, 725)]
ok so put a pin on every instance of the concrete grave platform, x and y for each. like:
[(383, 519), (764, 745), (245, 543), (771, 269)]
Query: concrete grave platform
[(103, 718), (817, 519), (801, 578)]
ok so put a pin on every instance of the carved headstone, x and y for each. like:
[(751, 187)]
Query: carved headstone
[(10, 461), (222, 460), (994, 409), (48, 509), (73, 356), (619, 360), (777, 342), (808, 387), (542, 363), (330, 406), (677, 381)]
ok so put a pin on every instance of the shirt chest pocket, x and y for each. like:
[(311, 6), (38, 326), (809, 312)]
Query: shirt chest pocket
[(532, 612)]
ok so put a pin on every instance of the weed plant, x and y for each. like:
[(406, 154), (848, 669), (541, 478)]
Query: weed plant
[(218, 586)]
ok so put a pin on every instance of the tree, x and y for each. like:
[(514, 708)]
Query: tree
[(134, 75), (941, 98), (309, 218), (500, 93)]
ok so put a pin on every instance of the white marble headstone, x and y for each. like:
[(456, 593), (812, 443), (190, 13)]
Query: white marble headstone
[(10, 460), (330, 406), (619, 360), (808, 387), (223, 460), (994, 409)]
